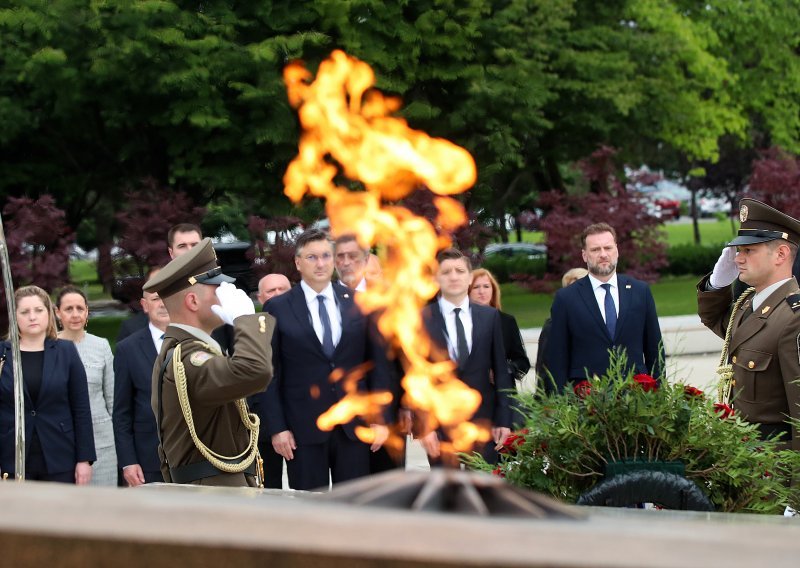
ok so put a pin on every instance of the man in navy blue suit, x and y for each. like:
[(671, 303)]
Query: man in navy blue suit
[(135, 432), (602, 311), (472, 336), (319, 330)]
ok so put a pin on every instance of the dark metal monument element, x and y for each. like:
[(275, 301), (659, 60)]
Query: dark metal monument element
[(449, 491), (175, 526)]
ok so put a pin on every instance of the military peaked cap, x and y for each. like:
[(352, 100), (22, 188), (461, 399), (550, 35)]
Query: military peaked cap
[(762, 223), (197, 266)]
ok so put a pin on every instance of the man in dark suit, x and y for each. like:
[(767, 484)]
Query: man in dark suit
[(471, 335), (269, 286), (319, 330), (181, 238), (135, 433), (601, 312)]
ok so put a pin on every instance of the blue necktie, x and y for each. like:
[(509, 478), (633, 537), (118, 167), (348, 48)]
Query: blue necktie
[(461, 339), (611, 311), (327, 334)]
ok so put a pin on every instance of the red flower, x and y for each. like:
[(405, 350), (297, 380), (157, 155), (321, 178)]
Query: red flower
[(512, 443), (692, 391), (647, 382), (498, 472), (582, 389), (723, 410)]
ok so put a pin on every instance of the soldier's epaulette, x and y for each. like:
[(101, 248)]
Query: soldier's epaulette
[(794, 302)]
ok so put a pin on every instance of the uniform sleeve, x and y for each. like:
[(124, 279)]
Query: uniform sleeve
[(714, 307), (217, 379)]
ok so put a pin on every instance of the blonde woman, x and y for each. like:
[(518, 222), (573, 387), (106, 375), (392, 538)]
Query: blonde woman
[(485, 290), (59, 443), (72, 309)]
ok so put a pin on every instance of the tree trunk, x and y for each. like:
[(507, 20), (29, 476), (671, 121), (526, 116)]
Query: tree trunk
[(105, 264)]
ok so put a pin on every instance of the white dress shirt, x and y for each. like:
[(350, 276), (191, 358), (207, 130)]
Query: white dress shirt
[(158, 336), (330, 305), (450, 324), (600, 293), (759, 297)]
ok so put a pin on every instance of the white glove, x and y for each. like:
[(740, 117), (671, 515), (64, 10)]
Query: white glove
[(725, 270), (232, 303)]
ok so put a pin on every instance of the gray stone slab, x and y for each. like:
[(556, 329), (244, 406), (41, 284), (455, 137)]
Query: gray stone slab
[(57, 525)]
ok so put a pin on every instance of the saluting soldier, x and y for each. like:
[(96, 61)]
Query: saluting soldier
[(207, 435), (765, 328)]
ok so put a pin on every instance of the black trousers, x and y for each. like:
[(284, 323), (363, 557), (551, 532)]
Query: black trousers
[(340, 457), (273, 462)]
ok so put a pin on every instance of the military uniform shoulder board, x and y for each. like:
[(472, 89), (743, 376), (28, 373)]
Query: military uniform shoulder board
[(794, 302), (199, 357)]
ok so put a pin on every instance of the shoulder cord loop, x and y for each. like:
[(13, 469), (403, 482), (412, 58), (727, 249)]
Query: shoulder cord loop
[(251, 421), (725, 369)]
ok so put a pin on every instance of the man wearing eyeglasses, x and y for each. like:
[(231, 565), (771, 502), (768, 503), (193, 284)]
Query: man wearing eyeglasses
[(320, 332), (351, 262)]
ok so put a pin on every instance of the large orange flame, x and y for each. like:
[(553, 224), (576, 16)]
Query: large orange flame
[(347, 131)]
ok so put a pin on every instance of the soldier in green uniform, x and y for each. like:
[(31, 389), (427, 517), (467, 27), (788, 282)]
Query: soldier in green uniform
[(764, 346), (207, 435)]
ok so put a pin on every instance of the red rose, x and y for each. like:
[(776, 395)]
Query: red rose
[(582, 389), (498, 472), (723, 410), (512, 443), (692, 391), (647, 382)]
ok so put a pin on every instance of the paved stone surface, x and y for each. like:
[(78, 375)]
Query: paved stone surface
[(47, 524)]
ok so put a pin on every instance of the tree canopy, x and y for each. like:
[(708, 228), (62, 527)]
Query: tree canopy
[(96, 95)]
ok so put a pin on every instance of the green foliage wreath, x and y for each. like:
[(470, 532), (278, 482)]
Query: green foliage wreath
[(572, 441)]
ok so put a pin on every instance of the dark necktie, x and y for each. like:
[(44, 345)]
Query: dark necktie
[(461, 339), (327, 334), (611, 311)]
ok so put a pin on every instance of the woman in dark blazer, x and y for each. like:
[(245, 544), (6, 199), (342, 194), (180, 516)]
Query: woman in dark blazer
[(485, 290), (59, 442)]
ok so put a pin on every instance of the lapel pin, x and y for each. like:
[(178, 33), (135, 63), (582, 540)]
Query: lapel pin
[(765, 310), (627, 286), (347, 295)]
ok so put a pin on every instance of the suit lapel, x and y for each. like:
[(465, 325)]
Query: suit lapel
[(297, 301), (147, 346), (434, 323), (49, 365), (480, 327), (625, 290), (587, 294), (347, 309)]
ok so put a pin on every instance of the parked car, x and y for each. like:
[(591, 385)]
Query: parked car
[(710, 205), (517, 250)]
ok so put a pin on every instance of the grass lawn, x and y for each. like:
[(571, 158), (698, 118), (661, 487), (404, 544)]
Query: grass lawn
[(711, 232), (674, 296), (83, 274)]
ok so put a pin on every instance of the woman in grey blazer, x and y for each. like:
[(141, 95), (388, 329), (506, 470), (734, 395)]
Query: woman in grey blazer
[(72, 310)]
